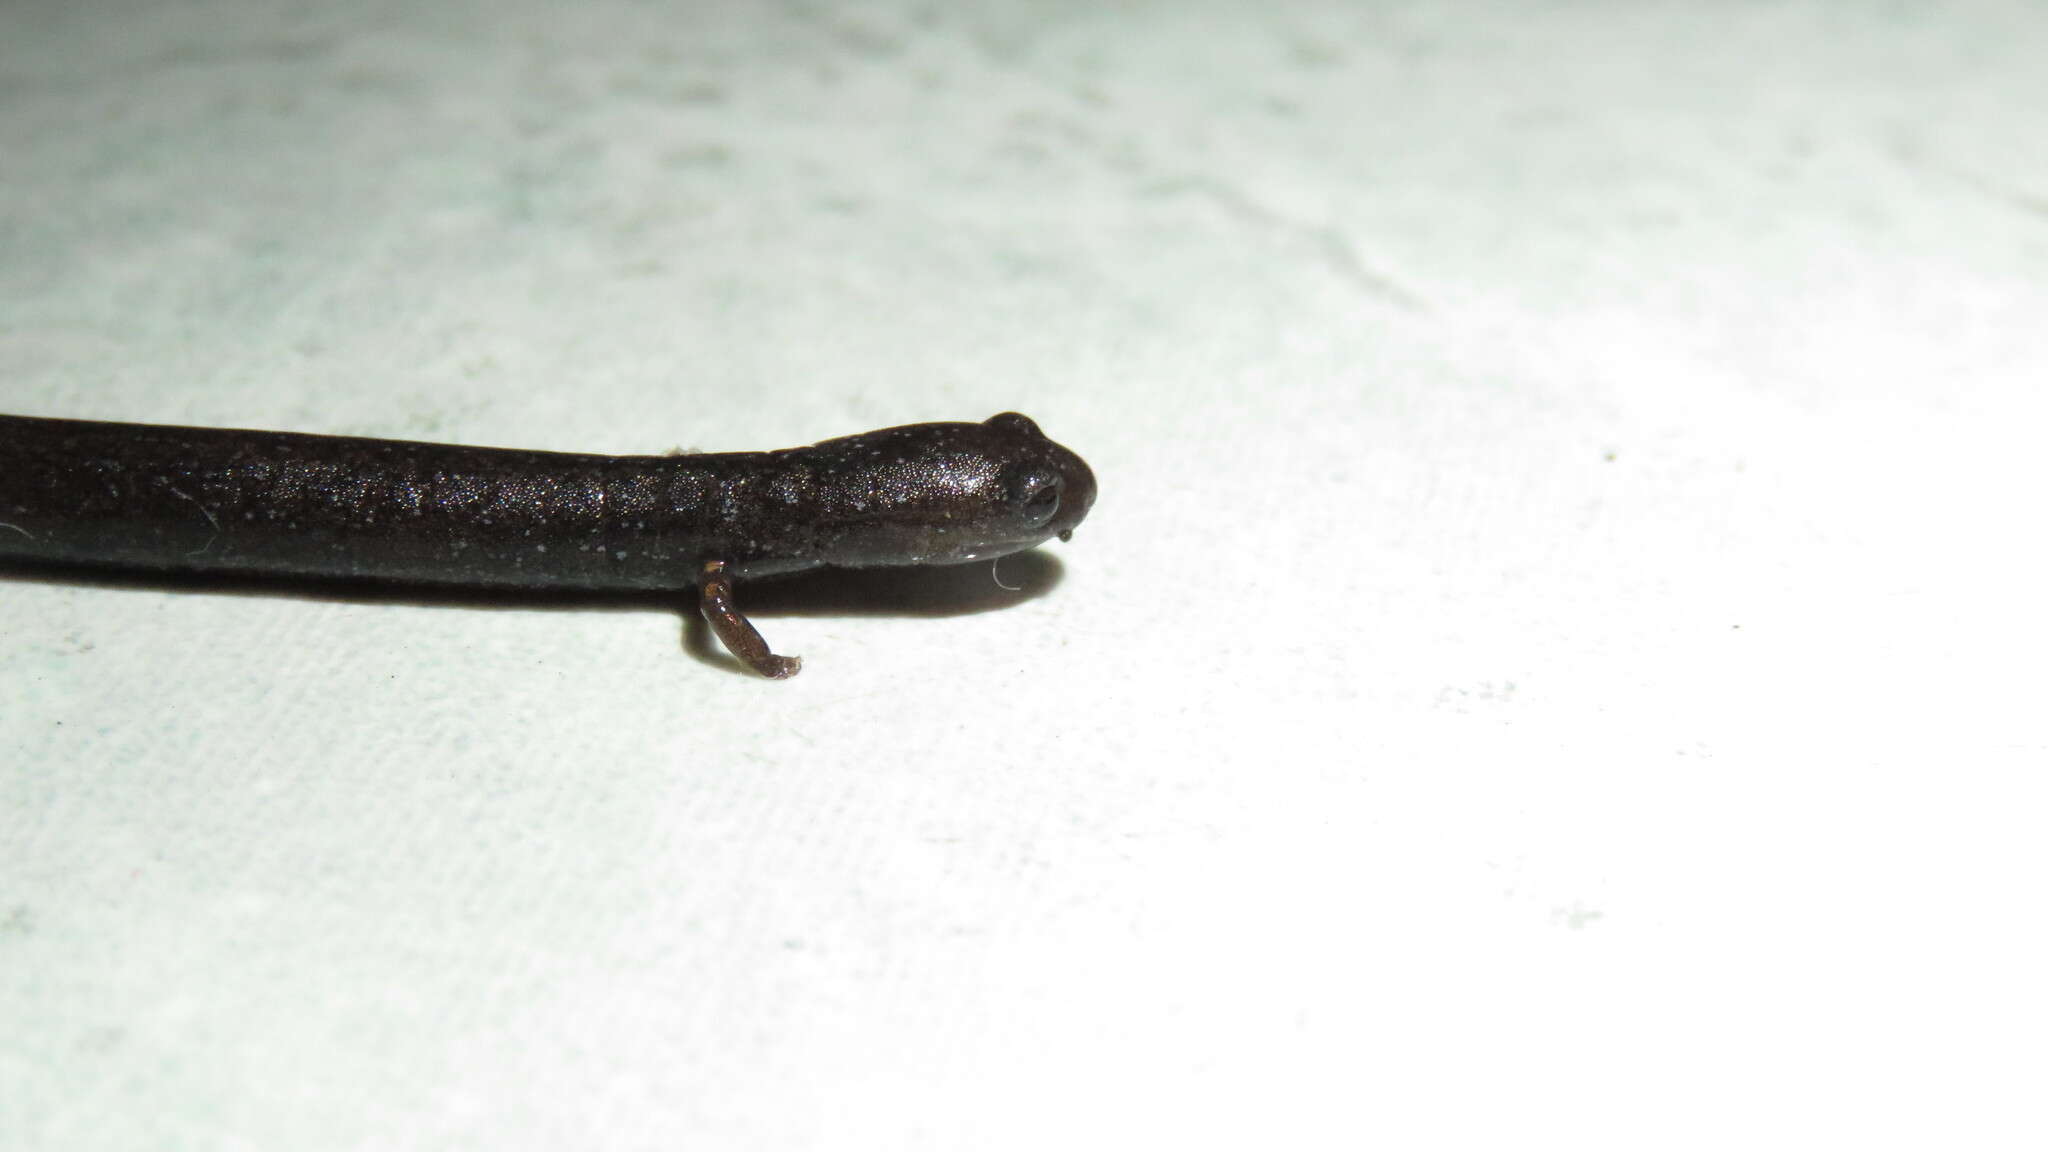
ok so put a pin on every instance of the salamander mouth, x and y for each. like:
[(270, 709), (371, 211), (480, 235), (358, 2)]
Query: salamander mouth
[(995, 551)]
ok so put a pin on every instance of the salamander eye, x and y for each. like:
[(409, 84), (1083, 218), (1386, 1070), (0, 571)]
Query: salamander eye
[(1036, 495), (1015, 422)]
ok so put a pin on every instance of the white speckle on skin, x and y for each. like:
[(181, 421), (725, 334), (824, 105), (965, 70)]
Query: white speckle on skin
[(540, 547), (619, 555)]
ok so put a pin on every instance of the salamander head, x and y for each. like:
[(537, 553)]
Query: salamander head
[(947, 493)]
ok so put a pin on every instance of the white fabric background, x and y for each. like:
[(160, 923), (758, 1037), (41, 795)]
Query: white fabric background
[(1555, 659)]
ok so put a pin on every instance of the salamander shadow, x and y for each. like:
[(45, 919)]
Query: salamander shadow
[(953, 590)]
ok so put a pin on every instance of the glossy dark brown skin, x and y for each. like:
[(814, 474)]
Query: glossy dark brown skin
[(156, 498)]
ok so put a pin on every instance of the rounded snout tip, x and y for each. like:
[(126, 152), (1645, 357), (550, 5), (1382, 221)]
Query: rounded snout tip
[(1078, 483)]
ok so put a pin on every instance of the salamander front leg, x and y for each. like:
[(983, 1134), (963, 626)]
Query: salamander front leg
[(734, 630)]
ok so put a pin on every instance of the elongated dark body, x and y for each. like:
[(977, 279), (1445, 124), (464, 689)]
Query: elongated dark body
[(217, 500)]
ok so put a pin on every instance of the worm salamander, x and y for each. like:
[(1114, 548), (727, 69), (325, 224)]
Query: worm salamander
[(160, 499)]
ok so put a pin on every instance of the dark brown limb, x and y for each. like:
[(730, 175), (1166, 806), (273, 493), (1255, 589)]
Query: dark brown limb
[(734, 630)]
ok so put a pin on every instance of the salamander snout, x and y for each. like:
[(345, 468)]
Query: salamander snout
[(1077, 492), (1052, 488)]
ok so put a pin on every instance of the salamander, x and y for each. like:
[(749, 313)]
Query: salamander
[(158, 498)]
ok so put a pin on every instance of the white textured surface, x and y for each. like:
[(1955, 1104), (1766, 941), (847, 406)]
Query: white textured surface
[(1556, 659)]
